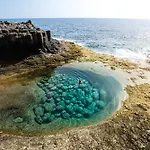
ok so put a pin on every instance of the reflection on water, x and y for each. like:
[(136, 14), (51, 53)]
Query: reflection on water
[(67, 98)]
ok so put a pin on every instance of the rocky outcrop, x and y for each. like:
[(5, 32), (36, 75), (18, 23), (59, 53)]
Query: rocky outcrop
[(20, 40)]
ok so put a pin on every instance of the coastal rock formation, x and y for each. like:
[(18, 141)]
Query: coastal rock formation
[(19, 40)]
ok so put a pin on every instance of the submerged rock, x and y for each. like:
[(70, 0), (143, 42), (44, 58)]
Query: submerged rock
[(103, 94), (87, 113), (18, 120), (100, 104), (70, 97), (39, 111)]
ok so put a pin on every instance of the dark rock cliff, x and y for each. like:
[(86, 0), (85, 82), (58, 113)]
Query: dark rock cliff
[(20, 40)]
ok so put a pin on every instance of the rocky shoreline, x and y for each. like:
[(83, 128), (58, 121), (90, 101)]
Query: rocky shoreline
[(21, 40), (126, 129)]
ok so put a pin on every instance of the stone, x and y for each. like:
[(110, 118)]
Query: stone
[(92, 106), (18, 120), (57, 115), (48, 107), (62, 103), (59, 108), (87, 113), (57, 100), (100, 104), (48, 35), (38, 119), (75, 107), (43, 100), (46, 118), (78, 115), (69, 108), (82, 86), (40, 84), (64, 88), (88, 101), (79, 109), (67, 102), (54, 88), (73, 100), (51, 100), (103, 94), (65, 115), (95, 95), (50, 94), (39, 111), (20, 40), (64, 94)]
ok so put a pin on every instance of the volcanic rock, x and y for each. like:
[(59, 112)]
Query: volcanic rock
[(20, 40)]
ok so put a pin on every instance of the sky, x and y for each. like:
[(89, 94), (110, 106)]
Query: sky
[(75, 9)]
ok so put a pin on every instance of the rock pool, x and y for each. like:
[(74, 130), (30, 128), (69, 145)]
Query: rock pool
[(69, 97)]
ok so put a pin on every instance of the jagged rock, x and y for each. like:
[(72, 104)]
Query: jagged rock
[(20, 40)]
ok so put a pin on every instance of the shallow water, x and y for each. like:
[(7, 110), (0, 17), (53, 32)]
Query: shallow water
[(68, 97)]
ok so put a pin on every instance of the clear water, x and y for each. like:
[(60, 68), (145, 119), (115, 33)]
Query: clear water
[(69, 97), (125, 38)]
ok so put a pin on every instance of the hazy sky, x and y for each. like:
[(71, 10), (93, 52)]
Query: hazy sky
[(75, 8)]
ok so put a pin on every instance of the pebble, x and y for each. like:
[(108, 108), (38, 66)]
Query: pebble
[(103, 94), (18, 120), (48, 107), (39, 111), (66, 98), (59, 108), (87, 113), (100, 104)]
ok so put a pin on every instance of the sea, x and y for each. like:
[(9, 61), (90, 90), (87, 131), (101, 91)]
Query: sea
[(123, 38)]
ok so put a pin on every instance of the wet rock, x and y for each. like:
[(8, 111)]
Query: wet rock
[(88, 101), (50, 94), (92, 106), (100, 104), (39, 111), (59, 108), (79, 109), (73, 100), (64, 94), (20, 40), (67, 102), (69, 108), (57, 115), (38, 119), (95, 95), (48, 107), (18, 120), (87, 113), (46, 118), (43, 100), (65, 115), (62, 103), (78, 115), (103, 94)]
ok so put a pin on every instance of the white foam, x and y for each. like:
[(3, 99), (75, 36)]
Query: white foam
[(69, 40), (139, 56)]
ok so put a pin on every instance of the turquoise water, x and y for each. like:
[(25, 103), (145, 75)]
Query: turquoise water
[(68, 97)]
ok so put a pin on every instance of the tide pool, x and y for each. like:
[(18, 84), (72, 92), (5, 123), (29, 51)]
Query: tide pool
[(68, 97)]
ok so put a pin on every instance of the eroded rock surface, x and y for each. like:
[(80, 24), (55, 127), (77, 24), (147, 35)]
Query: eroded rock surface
[(19, 40)]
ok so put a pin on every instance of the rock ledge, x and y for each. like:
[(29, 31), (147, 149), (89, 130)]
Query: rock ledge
[(20, 40)]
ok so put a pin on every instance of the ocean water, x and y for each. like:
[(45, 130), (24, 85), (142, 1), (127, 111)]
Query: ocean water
[(124, 38)]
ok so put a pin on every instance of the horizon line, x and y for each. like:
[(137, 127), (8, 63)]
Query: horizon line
[(78, 18)]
